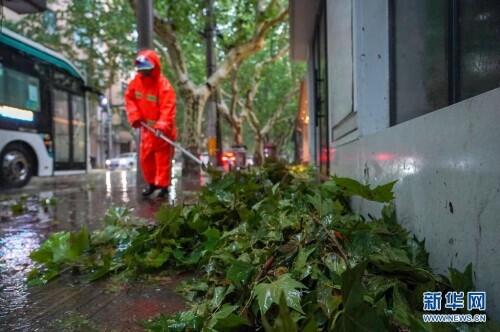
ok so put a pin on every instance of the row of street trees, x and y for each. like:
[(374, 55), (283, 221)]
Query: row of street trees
[(255, 83), (96, 35)]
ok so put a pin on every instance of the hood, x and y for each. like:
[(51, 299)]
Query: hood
[(153, 57)]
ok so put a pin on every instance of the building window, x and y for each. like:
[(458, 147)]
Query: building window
[(49, 20), (321, 92), (443, 51), (420, 57), (340, 68), (124, 147), (479, 46), (19, 90)]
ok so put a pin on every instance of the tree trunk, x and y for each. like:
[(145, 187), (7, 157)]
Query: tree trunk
[(285, 137), (236, 125), (259, 150), (238, 135), (192, 137)]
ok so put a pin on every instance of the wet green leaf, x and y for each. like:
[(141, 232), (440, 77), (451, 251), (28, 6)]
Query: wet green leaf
[(357, 315), (184, 321), (418, 255), (381, 194), (269, 293), (220, 293), (302, 268), (240, 272), (404, 315), (226, 320), (462, 280), (284, 322), (311, 326), (212, 236), (327, 301), (62, 247), (198, 223), (156, 258)]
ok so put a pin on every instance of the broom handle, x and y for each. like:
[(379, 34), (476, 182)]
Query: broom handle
[(174, 144)]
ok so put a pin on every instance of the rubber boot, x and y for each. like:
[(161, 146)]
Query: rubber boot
[(149, 190), (163, 193)]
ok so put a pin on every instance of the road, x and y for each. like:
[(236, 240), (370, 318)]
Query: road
[(68, 203)]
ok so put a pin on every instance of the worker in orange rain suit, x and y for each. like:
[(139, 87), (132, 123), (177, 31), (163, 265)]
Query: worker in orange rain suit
[(151, 99)]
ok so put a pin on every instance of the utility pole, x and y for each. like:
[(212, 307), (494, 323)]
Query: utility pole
[(145, 24), (213, 127), (144, 18), (109, 125)]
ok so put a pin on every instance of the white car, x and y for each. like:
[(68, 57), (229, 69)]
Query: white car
[(123, 161)]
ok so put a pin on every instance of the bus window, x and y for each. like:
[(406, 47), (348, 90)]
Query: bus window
[(19, 90), (78, 108), (2, 84), (61, 126)]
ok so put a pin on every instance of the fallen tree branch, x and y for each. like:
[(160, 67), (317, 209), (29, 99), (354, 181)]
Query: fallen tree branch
[(336, 244)]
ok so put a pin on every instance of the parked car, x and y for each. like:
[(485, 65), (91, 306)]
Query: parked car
[(123, 161)]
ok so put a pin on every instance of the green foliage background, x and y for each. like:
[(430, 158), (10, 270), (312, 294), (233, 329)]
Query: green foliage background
[(99, 37)]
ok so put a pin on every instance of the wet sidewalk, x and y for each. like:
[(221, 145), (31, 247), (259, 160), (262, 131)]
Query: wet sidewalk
[(48, 205)]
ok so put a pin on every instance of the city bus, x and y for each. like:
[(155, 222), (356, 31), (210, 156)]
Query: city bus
[(43, 118)]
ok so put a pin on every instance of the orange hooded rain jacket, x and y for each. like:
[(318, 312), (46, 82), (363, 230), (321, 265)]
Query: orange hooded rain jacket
[(152, 99)]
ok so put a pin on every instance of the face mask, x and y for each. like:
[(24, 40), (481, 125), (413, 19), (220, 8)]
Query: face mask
[(143, 64)]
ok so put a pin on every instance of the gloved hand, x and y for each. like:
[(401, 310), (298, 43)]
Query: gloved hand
[(159, 130), (136, 124)]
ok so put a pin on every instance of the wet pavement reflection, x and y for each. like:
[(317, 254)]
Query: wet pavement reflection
[(27, 216)]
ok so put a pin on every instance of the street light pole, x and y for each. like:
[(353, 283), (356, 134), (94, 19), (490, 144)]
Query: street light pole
[(144, 18), (145, 24)]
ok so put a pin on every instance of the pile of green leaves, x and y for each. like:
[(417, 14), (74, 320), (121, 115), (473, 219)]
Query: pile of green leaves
[(271, 250)]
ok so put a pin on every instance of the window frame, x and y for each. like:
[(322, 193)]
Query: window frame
[(321, 109)]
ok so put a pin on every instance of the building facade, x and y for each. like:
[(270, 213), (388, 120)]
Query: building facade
[(407, 90)]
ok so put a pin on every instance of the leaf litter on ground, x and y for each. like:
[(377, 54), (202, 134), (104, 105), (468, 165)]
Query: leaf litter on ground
[(270, 249)]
